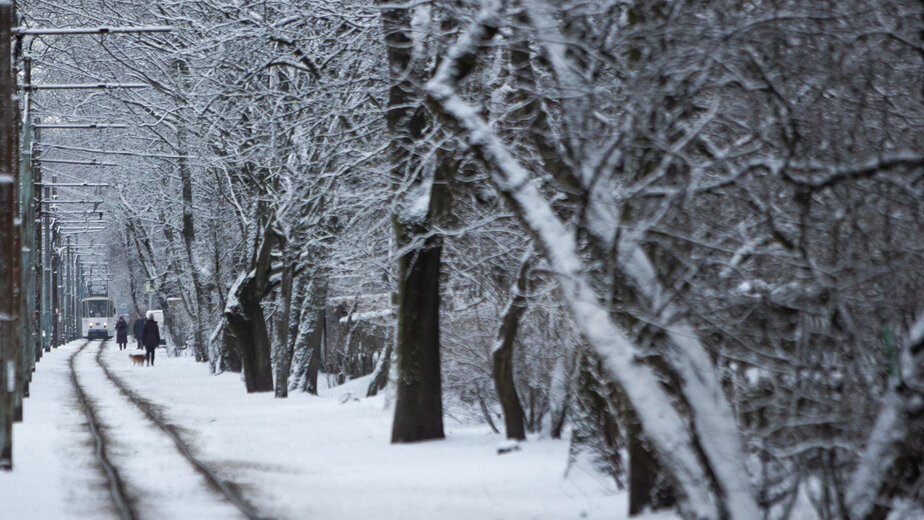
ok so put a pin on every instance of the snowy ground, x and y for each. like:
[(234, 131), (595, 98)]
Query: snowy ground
[(302, 457)]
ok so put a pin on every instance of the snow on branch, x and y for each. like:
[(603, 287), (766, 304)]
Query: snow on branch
[(665, 427), (824, 176), (888, 442)]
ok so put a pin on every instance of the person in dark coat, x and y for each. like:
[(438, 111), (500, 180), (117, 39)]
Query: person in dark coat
[(138, 330), (151, 337), (121, 333)]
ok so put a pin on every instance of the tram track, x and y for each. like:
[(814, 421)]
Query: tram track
[(116, 486), (150, 411), (128, 503)]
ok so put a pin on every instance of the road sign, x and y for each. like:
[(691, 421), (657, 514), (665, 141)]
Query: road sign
[(149, 287)]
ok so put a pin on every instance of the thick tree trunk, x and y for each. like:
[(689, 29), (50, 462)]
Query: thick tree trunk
[(419, 405), (246, 324), (222, 355), (503, 357), (247, 331)]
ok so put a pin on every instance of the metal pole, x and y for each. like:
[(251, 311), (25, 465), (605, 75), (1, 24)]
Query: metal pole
[(8, 179), (54, 307), (28, 246), (16, 356), (66, 291), (41, 256), (81, 292)]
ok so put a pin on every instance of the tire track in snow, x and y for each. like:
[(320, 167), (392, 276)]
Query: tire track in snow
[(154, 415), (116, 485)]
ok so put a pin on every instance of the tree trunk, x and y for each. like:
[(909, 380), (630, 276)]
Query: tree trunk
[(595, 426), (283, 348), (200, 313), (503, 357), (648, 489), (317, 348), (309, 342), (382, 367), (247, 330), (558, 399), (419, 404), (244, 319)]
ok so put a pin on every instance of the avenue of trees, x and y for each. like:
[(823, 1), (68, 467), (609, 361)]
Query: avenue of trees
[(687, 235)]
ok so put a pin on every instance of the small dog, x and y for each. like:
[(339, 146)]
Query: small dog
[(138, 359)]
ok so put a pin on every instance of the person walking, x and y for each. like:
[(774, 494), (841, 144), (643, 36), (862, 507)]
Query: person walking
[(151, 337), (138, 330), (121, 333)]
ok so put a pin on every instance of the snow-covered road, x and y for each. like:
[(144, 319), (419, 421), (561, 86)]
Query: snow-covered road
[(324, 457)]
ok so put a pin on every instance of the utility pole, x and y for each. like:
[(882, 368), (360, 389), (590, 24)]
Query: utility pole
[(41, 294), (63, 286), (16, 357), (28, 247), (9, 302), (29, 240), (54, 304)]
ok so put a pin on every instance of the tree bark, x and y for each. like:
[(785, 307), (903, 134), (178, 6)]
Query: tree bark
[(309, 342), (419, 405), (558, 399), (200, 314), (245, 321), (380, 373), (648, 489), (503, 357), (250, 338), (283, 348)]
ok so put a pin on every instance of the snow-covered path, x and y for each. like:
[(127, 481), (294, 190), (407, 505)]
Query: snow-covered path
[(312, 457), (55, 474), (158, 480)]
